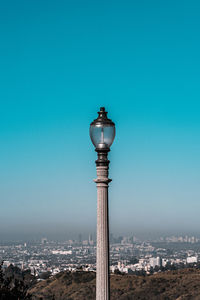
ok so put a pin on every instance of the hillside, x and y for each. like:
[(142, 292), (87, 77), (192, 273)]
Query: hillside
[(180, 285)]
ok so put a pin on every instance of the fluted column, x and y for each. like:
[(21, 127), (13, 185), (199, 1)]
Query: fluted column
[(102, 266)]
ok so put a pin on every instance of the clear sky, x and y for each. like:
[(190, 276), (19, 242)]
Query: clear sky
[(59, 62)]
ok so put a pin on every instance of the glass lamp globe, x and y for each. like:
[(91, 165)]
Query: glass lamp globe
[(102, 131)]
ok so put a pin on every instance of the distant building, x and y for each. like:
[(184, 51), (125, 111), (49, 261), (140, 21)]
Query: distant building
[(155, 261), (6, 263), (91, 242), (164, 262), (44, 240), (62, 252), (80, 238), (85, 242), (191, 259)]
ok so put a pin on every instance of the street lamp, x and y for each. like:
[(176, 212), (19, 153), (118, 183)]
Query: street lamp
[(102, 134)]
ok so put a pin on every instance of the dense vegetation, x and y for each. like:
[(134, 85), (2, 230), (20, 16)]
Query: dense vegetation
[(15, 283), (178, 284)]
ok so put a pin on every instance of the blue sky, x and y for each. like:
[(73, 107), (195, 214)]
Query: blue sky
[(59, 62)]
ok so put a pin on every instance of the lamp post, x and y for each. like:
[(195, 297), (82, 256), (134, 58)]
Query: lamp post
[(102, 134)]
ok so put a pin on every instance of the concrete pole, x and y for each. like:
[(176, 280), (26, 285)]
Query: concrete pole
[(102, 265)]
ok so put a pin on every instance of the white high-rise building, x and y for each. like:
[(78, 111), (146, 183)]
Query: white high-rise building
[(155, 261)]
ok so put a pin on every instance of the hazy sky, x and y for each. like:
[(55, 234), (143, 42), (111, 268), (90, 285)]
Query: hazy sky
[(59, 62)]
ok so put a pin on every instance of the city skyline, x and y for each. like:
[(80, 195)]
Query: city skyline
[(61, 63)]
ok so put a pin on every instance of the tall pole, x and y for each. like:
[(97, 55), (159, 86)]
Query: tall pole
[(102, 134), (102, 266)]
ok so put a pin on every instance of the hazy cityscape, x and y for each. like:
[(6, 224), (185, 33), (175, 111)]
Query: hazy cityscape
[(128, 254)]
